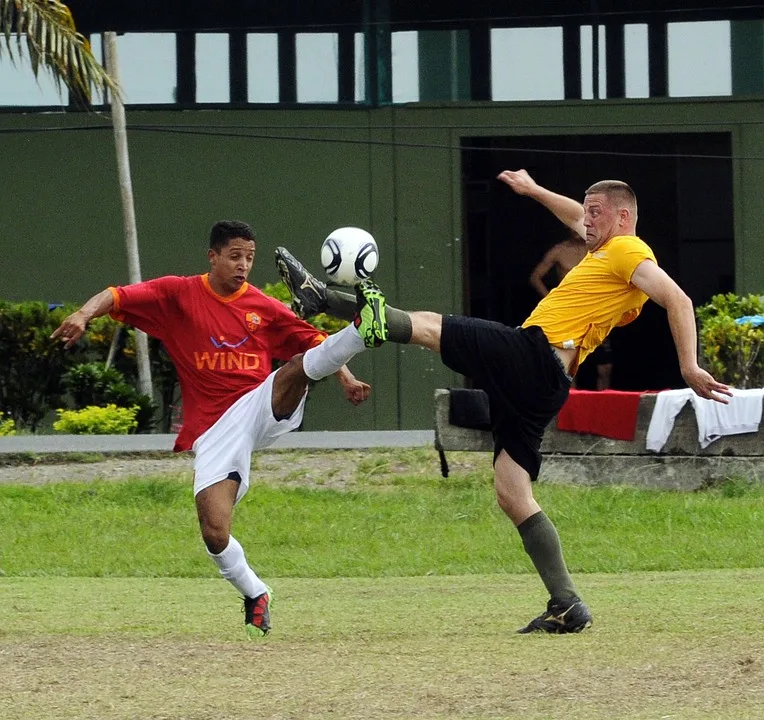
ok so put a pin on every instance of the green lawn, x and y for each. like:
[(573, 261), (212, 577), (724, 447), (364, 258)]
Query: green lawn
[(416, 526)]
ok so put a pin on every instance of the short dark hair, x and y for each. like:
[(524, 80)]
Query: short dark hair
[(616, 191), (226, 230)]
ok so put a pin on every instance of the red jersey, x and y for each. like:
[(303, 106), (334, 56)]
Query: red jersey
[(222, 347)]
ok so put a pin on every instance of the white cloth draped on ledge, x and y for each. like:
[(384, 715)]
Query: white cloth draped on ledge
[(741, 415)]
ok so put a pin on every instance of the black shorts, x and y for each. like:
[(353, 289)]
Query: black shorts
[(523, 377)]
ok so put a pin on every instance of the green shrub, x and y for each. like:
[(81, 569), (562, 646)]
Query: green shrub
[(34, 366), (322, 321), (7, 427), (95, 384), (732, 352), (93, 420), (88, 383), (30, 374)]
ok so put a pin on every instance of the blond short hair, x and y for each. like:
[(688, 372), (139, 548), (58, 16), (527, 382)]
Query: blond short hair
[(617, 192)]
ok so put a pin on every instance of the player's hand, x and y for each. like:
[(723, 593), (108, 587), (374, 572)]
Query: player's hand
[(71, 329), (519, 181), (356, 391), (705, 386)]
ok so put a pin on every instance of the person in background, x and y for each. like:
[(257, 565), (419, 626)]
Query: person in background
[(561, 258)]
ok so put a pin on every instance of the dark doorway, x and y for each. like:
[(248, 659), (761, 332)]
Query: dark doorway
[(683, 184)]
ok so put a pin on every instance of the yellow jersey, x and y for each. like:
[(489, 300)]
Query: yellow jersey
[(594, 297)]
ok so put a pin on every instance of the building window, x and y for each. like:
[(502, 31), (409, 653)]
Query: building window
[(317, 58), (637, 67), (593, 86), (699, 59), (147, 67), (405, 64), (212, 68), (526, 64), (360, 68), (19, 87), (263, 68)]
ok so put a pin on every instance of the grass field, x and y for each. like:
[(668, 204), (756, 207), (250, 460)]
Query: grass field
[(409, 526), (397, 597), (664, 645)]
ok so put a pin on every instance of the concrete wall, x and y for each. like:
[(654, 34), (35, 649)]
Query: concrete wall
[(295, 175)]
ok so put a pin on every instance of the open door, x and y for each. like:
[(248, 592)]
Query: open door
[(683, 184)]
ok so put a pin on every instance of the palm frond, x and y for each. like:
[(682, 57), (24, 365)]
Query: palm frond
[(52, 41)]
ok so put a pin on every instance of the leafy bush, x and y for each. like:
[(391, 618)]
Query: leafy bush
[(33, 369), (7, 427), (732, 352), (322, 322), (93, 420), (34, 366), (95, 384)]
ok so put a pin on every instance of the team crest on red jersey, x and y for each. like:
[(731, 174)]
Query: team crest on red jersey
[(253, 321)]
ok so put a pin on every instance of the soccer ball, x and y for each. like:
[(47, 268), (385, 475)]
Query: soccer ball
[(349, 255)]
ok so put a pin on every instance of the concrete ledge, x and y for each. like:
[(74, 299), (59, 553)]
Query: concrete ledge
[(164, 443), (657, 471), (582, 459), (682, 441)]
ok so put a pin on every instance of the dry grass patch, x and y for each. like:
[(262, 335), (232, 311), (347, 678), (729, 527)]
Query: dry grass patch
[(675, 645)]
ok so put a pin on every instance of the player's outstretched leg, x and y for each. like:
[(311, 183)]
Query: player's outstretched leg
[(366, 308), (370, 319), (308, 293)]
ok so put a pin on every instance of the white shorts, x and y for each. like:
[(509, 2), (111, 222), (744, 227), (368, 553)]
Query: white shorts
[(246, 426)]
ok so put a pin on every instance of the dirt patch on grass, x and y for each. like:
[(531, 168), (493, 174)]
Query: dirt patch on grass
[(195, 679), (320, 468)]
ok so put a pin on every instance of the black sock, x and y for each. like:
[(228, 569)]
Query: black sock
[(542, 543), (343, 306)]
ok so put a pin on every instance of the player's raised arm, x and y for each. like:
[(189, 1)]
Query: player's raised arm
[(73, 326), (568, 211)]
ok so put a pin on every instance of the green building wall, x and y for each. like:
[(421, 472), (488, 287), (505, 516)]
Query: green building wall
[(296, 174)]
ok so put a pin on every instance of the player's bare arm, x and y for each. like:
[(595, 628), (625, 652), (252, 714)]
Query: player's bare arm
[(73, 326), (356, 391), (536, 278), (659, 287), (568, 211)]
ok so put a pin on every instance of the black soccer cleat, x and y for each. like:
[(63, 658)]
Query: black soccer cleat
[(563, 615), (308, 294), (257, 616)]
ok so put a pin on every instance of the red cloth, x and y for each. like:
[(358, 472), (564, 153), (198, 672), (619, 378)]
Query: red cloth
[(222, 347), (609, 413)]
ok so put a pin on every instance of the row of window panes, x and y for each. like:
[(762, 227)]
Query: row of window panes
[(526, 64)]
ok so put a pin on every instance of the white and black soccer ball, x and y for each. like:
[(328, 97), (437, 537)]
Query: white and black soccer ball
[(349, 255)]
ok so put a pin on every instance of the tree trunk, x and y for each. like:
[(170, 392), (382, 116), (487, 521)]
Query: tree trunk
[(128, 208)]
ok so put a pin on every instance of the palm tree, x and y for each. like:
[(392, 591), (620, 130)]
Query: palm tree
[(52, 41), (47, 29)]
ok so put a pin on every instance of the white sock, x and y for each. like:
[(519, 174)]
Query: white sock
[(328, 357), (234, 568)]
